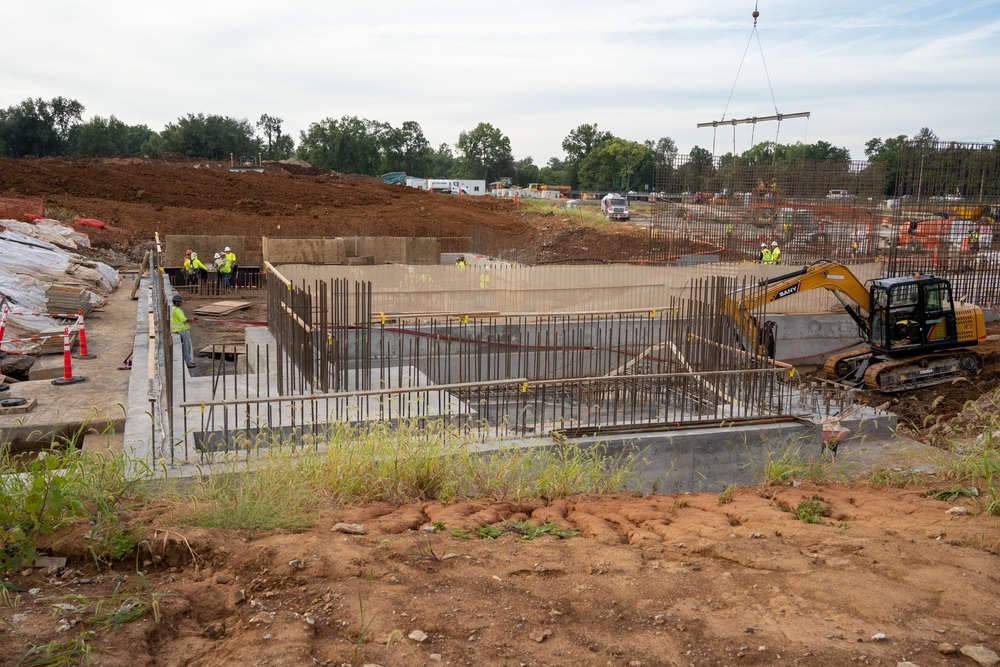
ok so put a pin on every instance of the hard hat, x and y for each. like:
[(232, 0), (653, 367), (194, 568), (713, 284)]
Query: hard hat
[(178, 298), (774, 243), (194, 255), (218, 255), (227, 249), (189, 252), (763, 245)]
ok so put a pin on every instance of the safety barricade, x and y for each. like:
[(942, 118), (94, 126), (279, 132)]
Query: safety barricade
[(68, 377), (78, 325)]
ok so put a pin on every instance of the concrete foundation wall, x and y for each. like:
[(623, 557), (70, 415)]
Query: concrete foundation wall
[(303, 251), (710, 459), (810, 339)]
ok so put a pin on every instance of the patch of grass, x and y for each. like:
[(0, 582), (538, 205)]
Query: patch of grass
[(792, 463), (405, 462), (810, 510), (58, 653), (950, 494), (726, 496), (523, 529)]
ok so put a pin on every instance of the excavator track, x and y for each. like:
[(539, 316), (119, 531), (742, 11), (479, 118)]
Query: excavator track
[(839, 366), (896, 375)]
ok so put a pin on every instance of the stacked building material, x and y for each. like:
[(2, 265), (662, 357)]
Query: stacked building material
[(68, 298)]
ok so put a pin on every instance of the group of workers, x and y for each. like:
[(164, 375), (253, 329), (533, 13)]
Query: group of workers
[(770, 254), (224, 266)]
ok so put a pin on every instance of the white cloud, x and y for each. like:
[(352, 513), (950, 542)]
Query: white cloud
[(536, 70)]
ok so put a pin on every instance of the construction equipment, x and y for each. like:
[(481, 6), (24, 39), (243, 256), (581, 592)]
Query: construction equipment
[(545, 187), (913, 331), (615, 207)]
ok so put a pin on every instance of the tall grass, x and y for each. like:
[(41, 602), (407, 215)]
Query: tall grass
[(397, 464)]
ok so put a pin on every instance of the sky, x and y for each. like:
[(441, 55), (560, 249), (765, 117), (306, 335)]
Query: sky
[(536, 70)]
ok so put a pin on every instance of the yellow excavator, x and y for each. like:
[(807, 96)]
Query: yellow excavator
[(915, 334)]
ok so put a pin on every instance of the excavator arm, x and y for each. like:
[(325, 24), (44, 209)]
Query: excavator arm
[(741, 304)]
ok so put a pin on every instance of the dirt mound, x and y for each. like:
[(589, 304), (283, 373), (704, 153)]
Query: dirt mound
[(654, 580)]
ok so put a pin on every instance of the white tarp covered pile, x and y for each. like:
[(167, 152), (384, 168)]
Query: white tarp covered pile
[(51, 231), (28, 266)]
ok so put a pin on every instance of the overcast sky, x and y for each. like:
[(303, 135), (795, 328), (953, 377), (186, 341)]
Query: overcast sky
[(536, 70)]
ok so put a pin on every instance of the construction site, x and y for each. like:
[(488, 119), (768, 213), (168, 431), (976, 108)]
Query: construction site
[(364, 304)]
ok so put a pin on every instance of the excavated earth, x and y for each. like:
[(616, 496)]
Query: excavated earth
[(888, 573)]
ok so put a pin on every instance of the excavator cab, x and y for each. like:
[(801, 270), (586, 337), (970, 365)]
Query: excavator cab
[(911, 314)]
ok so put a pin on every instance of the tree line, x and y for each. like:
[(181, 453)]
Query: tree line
[(594, 159)]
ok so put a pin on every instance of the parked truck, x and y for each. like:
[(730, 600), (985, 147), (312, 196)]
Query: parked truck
[(615, 207)]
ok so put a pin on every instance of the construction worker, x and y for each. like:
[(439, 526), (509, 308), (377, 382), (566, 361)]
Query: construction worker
[(460, 262), (729, 233), (224, 268), (231, 256), (181, 325), (775, 253), (194, 269), (765, 254), (974, 240)]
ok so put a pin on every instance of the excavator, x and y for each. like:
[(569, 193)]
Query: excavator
[(915, 334)]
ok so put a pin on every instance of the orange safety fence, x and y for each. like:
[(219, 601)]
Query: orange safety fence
[(14, 208)]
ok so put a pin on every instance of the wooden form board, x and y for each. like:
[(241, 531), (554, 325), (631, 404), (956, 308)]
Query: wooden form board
[(220, 308), (19, 409)]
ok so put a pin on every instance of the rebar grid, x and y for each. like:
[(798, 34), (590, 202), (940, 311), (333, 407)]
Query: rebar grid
[(943, 217), (725, 208)]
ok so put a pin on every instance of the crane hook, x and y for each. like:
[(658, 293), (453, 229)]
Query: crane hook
[(755, 14)]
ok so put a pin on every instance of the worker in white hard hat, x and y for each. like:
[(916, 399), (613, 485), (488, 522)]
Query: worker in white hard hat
[(223, 267), (231, 256), (765, 254), (775, 253)]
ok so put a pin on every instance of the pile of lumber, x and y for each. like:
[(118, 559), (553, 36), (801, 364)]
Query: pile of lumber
[(68, 299)]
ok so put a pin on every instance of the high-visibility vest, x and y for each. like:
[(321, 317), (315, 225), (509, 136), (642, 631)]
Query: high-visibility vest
[(178, 320), (765, 256), (775, 255)]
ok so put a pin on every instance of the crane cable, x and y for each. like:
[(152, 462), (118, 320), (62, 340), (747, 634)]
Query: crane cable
[(753, 33)]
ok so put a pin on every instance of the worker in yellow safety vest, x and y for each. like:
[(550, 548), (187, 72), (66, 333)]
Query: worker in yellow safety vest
[(231, 256), (193, 269), (181, 325), (765, 254), (775, 253)]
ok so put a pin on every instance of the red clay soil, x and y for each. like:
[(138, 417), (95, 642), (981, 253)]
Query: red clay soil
[(138, 198), (886, 575)]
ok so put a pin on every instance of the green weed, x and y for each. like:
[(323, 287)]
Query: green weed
[(726, 496), (58, 653), (810, 510)]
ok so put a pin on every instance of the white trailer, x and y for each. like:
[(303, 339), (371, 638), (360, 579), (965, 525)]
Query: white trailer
[(474, 187)]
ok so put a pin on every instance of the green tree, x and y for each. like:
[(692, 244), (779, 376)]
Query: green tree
[(214, 137), (277, 146), (612, 165), (578, 144), (526, 171), (484, 153), (555, 172), (100, 136), (29, 128), (65, 114), (406, 149), (886, 151), (350, 145), (441, 162)]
